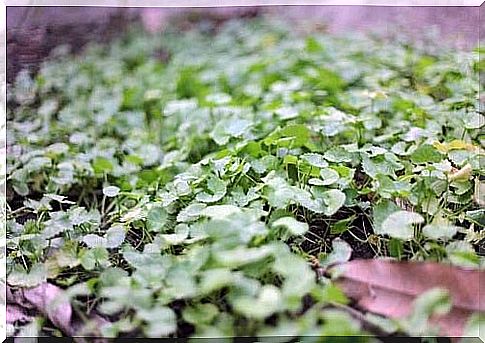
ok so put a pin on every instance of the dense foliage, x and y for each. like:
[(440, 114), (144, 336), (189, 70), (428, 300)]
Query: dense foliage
[(186, 183)]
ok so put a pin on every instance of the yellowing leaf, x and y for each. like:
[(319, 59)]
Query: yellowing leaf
[(456, 144), (462, 174)]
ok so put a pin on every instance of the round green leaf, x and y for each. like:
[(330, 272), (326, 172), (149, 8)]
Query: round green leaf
[(329, 176), (111, 191), (293, 225), (156, 218), (400, 224), (334, 199)]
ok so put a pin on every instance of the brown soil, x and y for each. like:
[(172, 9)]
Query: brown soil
[(319, 238)]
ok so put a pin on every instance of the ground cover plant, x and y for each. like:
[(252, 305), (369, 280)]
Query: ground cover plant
[(204, 182)]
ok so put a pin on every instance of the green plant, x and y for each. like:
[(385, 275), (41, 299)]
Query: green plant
[(184, 193)]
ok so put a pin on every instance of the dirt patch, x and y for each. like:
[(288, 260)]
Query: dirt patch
[(358, 230)]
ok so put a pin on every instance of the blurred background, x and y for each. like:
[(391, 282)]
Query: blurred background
[(32, 32)]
